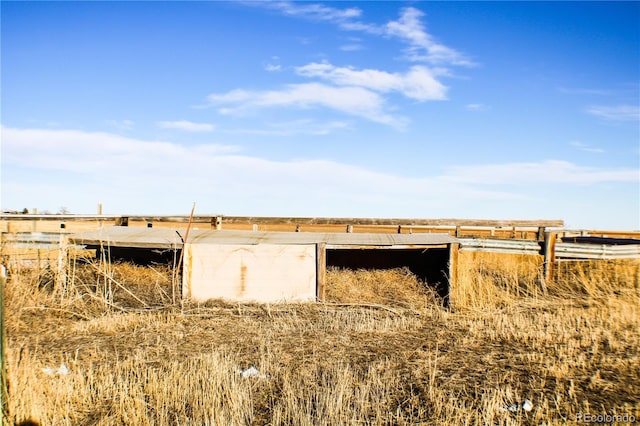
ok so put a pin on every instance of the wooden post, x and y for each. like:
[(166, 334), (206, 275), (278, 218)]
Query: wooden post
[(454, 249), (99, 214), (549, 252), (321, 271), (541, 233), (61, 276), (458, 231)]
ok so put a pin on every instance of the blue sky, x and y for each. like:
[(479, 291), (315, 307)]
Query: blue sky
[(488, 110)]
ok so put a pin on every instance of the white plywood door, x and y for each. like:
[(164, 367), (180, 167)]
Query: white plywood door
[(250, 273)]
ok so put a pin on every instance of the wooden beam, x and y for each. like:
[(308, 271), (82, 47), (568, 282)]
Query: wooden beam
[(294, 220), (392, 221), (454, 249), (321, 271)]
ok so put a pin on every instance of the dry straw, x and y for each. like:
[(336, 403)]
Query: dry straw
[(382, 352)]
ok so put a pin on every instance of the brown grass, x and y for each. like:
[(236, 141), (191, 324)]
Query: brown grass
[(393, 357)]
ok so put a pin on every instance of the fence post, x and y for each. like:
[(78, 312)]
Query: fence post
[(321, 271), (61, 276), (549, 252)]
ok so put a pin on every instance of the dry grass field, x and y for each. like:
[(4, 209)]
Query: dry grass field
[(381, 351)]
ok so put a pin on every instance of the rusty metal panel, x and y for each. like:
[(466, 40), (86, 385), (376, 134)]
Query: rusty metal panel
[(250, 273)]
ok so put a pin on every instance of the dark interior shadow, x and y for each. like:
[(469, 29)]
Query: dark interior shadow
[(28, 422)]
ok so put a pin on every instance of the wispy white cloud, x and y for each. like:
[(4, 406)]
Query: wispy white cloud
[(584, 147), (90, 152), (296, 127), (351, 100), (616, 113), (123, 125), (315, 10), (550, 171), (352, 91), (422, 45), (418, 83), (351, 47), (185, 125), (477, 107), (408, 27), (101, 166), (273, 65), (77, 169), (345, 18)]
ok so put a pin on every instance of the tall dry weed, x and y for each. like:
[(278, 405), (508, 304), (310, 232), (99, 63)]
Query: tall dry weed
[(384, 352)]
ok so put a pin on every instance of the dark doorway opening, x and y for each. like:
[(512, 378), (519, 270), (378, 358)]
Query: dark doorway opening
[(430, 265), (139, 256)]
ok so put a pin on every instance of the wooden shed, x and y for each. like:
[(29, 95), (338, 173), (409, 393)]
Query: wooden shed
[(253, 266)]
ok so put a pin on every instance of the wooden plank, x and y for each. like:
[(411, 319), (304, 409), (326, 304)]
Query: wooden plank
[(454, 250), (385, 247), (13, 223), (549, 253), (321, 272), (393, 221), (296, 220), (252, 273)]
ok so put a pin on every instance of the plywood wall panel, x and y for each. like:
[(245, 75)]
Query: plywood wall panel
[(250, 273)]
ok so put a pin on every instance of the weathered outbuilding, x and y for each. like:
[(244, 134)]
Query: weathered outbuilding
[(280, 266)]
